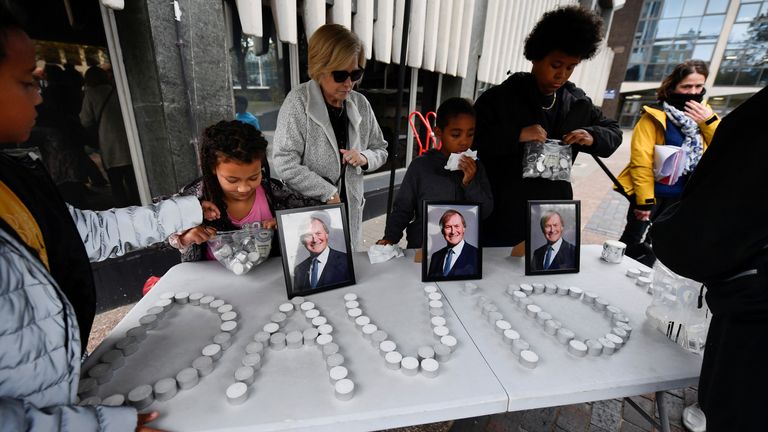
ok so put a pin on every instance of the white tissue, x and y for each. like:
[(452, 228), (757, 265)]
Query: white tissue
[(454, 158), (381, 253)]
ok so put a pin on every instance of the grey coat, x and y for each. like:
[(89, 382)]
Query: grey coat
[(305, 149), (39, 335)]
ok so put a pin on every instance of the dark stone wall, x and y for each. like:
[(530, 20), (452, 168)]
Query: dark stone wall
[(620, 39), (161, 99)]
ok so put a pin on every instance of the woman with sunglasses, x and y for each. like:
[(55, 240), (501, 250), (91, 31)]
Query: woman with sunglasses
[(327, 134)]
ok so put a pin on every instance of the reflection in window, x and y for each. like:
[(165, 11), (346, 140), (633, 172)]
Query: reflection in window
[(717, 6), (651, 9), (258, 75), (711, 26), (738, 33), (748, 12), (694, 8), (672, 8), (688, 27), (666, 28), (703, 52)]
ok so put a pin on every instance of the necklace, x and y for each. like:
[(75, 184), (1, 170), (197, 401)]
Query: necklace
[(554, 99)]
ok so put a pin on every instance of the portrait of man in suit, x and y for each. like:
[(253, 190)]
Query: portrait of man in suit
[(324, 266), (556, 254), (457, 258)]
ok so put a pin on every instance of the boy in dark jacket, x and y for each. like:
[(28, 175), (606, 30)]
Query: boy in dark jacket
[(427, 178)]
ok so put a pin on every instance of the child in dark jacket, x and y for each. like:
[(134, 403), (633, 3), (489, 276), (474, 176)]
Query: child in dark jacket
[(427, 178)]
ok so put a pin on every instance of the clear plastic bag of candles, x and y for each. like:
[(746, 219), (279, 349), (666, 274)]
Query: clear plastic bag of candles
[(243, 249), (679, 309), (550, 160)]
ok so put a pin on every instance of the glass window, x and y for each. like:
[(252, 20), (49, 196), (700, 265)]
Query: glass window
[(651, 9), (738, 33), (694, 8), (703, 52), (259, 78), (655, 72), (726, 76), (638, 55), (633, 72), (748, 77), (672, 8), (688, 27), (660, 52), (711, 26), (748, 12), (666, 28), (717, 6), (650, 32)]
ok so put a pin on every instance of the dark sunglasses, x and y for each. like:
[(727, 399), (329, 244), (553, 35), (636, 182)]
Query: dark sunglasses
[(341, 76)]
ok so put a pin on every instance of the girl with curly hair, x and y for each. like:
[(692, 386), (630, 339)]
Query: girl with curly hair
[(233, 161), (534, 106)]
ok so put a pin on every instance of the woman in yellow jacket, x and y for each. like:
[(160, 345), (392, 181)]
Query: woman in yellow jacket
[(679, 119)]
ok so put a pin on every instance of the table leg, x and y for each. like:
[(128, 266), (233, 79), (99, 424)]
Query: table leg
[(662, 411), (642, 412)]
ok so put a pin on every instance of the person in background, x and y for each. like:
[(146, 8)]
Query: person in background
[(242, 114), (533, 107), (327, 135), (716, 235), (46, 246), (427, 178), (680, 119), (59, 137), (101, 110)]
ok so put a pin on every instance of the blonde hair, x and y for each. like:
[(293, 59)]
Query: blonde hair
[(330, 48)]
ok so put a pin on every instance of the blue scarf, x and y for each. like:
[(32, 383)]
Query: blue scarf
[(691, 136)]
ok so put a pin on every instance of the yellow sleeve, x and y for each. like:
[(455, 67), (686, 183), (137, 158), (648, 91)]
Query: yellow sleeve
[(641, 159)]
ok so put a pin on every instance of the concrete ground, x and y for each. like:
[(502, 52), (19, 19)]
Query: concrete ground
[(603, 214)]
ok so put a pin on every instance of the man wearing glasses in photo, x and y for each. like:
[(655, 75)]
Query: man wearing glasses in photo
[(327, 135)]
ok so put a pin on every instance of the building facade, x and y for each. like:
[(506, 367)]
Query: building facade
[(731, 36), (178, 66)]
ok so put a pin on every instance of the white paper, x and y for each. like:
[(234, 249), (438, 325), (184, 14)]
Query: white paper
[(668, 164), (454, 158), (382, 253)]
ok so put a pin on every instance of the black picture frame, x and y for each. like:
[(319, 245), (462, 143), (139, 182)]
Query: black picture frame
[(568, 255), (337, 271), (469, 264)]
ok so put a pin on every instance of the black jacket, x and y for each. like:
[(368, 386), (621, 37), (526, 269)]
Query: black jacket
[(465, 265), (336, 271), (718, 229), (565, 258), (502, 112), (427, 179)]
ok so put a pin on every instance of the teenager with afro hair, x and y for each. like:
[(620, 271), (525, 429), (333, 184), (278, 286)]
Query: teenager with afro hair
[(535, 106)]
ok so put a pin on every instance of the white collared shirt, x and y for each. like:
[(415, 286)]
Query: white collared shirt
[(456, 252), (322, 259), (555, 248)]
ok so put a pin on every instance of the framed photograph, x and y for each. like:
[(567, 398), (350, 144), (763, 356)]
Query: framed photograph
[(451, 247), (314, 244), (553, 239)]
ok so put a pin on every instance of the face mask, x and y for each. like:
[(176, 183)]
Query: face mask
[(678, 100)]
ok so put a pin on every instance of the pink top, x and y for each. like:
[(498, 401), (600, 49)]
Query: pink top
[(259, 212)]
